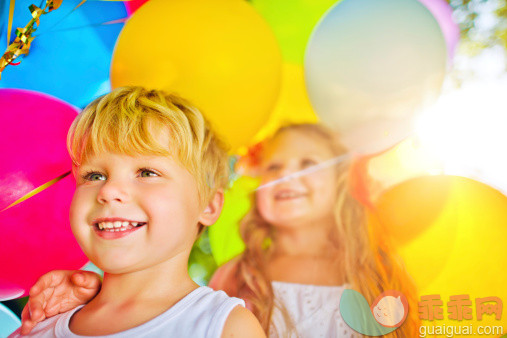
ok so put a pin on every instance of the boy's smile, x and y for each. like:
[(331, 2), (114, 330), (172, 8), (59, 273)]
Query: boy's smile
[(132, 212), (115, 227)]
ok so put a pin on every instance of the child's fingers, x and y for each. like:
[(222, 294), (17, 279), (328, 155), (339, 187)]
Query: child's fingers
[(25, 314), (26, 327), (34, 290), (48, 280), (27, 318), (52, 311), (86, 279), (78, 278), (36, 311)]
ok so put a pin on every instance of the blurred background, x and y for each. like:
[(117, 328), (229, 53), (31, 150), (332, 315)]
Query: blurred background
[(422, 108)]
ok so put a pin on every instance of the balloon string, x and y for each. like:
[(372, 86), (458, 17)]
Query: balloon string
[(22, 43), (37, 190), (112, 22), (307, 171), (67, 15), (9, 25), (317, 167), (122, 20)]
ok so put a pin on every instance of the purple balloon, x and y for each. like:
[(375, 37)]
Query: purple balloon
[(36, 236), (442, 12)]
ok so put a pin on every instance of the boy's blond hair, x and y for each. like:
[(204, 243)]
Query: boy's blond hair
[(128, 121)]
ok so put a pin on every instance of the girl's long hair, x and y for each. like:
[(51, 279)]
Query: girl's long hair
[(370, 264)]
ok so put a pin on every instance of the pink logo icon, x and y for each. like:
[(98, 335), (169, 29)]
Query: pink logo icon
[(390, 308)]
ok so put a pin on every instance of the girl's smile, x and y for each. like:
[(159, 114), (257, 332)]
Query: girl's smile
[(289, 194)]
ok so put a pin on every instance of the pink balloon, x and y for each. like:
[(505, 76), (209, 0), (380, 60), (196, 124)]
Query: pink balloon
[(9, 290), (442, 12), (33, 132), (36, 235), (133, 5)]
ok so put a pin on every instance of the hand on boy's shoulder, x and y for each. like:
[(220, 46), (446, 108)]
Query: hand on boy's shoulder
[(242, 323), (57, 292)]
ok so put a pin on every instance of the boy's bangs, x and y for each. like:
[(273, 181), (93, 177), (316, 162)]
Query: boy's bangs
[(120, 136), (135, 121)]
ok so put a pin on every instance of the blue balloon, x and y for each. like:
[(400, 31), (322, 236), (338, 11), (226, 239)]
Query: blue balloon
[(4, 15), (9, 322), (71, 54)]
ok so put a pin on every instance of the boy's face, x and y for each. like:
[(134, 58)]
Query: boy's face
[(131, 213)]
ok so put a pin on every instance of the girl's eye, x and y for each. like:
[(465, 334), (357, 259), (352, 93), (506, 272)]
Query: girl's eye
[(305, 163), (148, 173), (94, 176), (273, 167)]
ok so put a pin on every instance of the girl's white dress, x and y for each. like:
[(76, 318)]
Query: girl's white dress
[(313, 309)]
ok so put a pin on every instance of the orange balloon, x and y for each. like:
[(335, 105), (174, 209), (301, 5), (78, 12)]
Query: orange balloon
[(409, 209), (451, 233), (221, 55)]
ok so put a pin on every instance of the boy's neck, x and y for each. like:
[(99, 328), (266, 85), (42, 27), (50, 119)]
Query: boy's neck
[(156, 282), (130, 299)]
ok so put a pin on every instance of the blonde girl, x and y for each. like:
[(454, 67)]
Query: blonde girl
[(307, 236)]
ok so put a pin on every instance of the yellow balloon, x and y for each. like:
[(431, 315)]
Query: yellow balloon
[(220, 55), (453, 232), (293, 104)]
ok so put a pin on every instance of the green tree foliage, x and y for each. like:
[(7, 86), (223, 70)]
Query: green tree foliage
[(483, 24)]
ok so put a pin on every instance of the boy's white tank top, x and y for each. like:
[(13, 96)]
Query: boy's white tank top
[(201, 313)]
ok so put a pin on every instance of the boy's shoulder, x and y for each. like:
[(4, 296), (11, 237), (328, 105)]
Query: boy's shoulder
[(205, 311), (202, 313), (56, 326), (242, 323), (230, 320)]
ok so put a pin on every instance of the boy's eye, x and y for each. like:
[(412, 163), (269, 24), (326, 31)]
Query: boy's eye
[(148, 173), (94, 176)]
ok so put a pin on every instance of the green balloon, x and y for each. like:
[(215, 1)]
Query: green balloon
[(224, 237), (292, 22)]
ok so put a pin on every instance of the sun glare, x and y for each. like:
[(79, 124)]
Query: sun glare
[(466, 129)]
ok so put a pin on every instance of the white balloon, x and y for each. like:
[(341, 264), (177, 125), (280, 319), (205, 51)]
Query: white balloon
[(370, 66)]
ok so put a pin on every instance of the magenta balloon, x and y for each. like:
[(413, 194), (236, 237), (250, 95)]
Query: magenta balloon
[(10, 290), (36, 236), (33, 133), (442, 12)]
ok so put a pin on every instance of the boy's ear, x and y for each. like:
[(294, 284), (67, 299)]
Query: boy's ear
[(213, 209)]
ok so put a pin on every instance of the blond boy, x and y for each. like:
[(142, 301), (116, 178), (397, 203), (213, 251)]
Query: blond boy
[(143, 163)]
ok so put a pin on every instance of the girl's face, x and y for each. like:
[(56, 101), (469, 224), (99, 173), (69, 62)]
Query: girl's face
[(302, 200)]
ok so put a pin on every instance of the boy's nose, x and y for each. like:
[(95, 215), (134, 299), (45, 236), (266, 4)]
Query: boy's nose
[(112, 192)]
